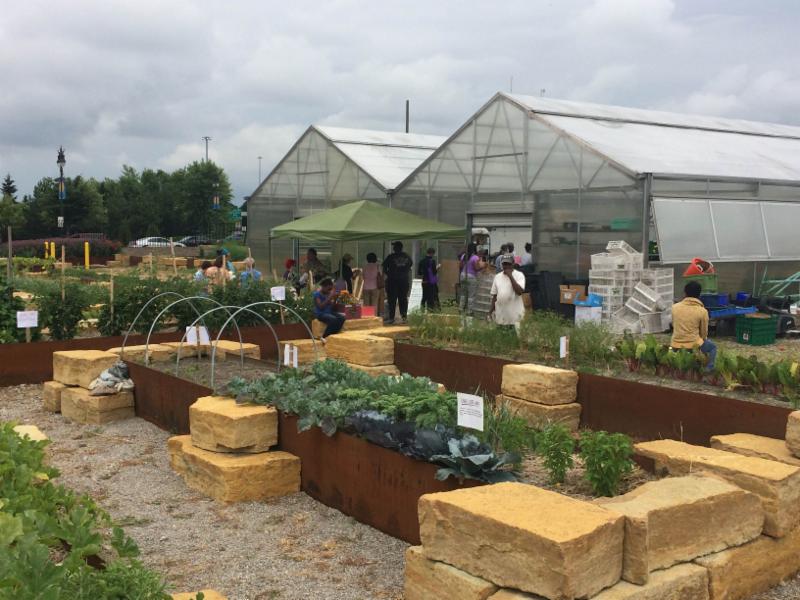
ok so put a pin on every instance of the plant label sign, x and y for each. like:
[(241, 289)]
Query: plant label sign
[(27, 318), (278, 293), (197, 336), (563, 347), (470, 411)]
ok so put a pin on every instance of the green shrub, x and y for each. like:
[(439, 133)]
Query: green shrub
[(591, 344), (556, 445), (9, 305), (62, 316), (607, 458), (505, 431)]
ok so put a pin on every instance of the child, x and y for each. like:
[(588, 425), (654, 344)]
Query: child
[(373, 280), (324, 299)]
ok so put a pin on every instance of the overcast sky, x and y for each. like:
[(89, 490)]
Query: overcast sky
[(140, 82)]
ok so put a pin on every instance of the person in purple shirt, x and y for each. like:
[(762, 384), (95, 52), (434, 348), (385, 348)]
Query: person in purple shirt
[(427, 271), (471, 266)]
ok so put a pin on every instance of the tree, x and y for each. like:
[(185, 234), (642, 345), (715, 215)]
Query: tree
[(9, 188), (11, 213)]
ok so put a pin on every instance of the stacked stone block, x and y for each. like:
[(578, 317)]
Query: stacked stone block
[(541, 395), (227, 455)]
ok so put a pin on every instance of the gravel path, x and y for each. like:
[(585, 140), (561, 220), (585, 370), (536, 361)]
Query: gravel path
[(290, 548)]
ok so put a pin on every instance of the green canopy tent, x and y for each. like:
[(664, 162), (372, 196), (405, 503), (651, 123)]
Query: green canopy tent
[(365, 220)]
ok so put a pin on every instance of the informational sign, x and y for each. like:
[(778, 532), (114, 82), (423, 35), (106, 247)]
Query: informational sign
[(61, 222), (470, 411), (563, 346), (27, 318), (295, 356), (415, 298), (287, 355), (278, 293), (197, 336)]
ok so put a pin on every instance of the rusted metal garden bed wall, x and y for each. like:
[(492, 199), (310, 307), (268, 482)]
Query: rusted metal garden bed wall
[(33, 363), (374, 485), (640, 410)]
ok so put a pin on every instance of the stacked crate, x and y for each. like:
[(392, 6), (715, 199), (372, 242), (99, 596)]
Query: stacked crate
[(648, 305)]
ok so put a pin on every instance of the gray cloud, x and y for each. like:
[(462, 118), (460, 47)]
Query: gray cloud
[(140, 81)]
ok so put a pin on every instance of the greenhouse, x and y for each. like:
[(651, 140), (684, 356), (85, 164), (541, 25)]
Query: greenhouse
[(570, 176), (327, 167)]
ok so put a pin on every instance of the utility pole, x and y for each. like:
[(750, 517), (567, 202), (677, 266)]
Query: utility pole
[(206, 139), (62, 190), (259, 169), (408, 113)]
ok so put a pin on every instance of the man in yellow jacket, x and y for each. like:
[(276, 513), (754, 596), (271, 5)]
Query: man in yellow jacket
[(690, 325)]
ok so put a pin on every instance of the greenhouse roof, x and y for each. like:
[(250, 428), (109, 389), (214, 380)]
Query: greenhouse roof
[(670, 144), (387, 156)]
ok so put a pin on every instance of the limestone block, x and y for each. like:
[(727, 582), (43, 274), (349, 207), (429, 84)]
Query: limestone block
[(677, 519), (681, 582), (207, 595), (395, 332), (539, 416), (187, 350), (738, 573), (426, 579), (157, 352), (777, 484), (77, 404), (759, 446), (793, 433), (234, 477), (390, 370), (113, 264), (524, 537), (308, 351), (365, 350), (180, 261), (506, 594), (363, 324), (540, 384), (51, 395), (30, 431), (219, 424), (230, 349), (80, 367)]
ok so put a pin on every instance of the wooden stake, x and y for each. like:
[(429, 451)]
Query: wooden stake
[(111, 297), (283, 317), (151, 264), (174, 262), (9, 265)]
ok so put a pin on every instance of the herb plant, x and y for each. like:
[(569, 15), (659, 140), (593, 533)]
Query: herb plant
[(607, 459), (556, 445)]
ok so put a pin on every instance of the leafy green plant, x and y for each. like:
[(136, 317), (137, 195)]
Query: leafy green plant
[(9, 305), (505, 431), (607, 459), (62, 316), (469, 459), (556, 445), (592, 344)]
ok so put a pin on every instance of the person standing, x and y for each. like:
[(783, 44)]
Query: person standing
[(346, 272), (690, 325), (427, 271), (527, 257), (324, 299), (472, 265), (507, 289), (373, 280), (200, 274), (250, 272), (497, 260), (397, 269)]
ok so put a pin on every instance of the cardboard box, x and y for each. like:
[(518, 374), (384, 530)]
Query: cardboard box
[(588, 314), (570, 293)]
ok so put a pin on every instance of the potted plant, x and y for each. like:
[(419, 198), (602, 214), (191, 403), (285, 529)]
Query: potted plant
[(348, 305)]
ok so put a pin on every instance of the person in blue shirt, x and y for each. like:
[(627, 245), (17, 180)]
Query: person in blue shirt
[(324, 299), (250, 272), (225, 254)]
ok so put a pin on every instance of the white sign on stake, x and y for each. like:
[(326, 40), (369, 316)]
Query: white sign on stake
[(278, 293), (197, 336), (470, 411), (287, 355), (295, 357), (563, 347), (27, 318)]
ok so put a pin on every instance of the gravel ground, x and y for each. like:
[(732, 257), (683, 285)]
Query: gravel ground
[(290, 548)]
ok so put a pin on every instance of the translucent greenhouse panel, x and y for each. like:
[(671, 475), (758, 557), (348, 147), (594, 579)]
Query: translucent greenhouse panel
[(609, 176), (684, 229), (558, 171), (780, 192), (739, 229), (781, 220)]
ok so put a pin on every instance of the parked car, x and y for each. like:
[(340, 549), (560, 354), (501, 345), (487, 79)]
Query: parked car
[(195, 240), (236, 236), (154, 242)]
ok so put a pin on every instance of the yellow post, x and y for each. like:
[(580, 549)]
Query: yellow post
[(86, 255), (52, 249), (46, 248)]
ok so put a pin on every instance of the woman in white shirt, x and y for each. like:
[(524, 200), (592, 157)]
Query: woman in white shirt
[(507, 289)]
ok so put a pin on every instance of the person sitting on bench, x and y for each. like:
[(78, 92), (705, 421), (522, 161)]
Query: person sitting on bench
[(690, 325)]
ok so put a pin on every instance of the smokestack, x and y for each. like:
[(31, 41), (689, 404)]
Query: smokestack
[(408, 102)]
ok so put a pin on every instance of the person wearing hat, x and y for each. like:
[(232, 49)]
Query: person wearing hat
[(507, 289)]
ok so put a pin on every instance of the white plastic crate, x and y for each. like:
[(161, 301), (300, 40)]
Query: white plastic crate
[(666, 320), (608, 261), (655, 277), (647, 296), (615, 274), (620, 246), (640, 308), (651, 323), (625, 320)]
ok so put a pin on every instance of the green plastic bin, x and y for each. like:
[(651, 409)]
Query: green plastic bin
[(708, 282), (756, 331)]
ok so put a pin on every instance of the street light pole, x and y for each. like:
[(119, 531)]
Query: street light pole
[(62, 191), (206, 139), (259, 169)]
